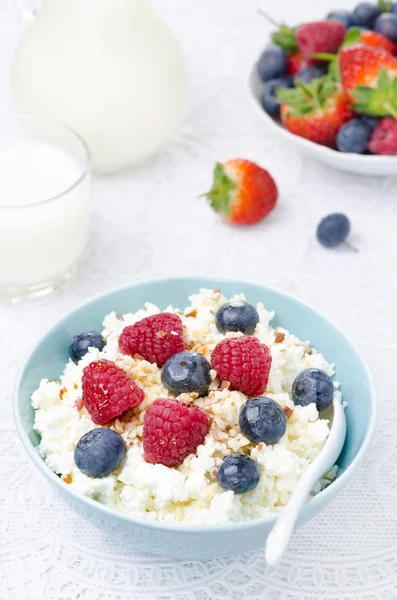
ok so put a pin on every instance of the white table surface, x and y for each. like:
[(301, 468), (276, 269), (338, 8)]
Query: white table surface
[(150, 223)]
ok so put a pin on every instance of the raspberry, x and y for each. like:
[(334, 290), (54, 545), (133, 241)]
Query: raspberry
[(155, 338), (108, 391), (384, 137), (243, 361), (320, 36), (172, 431)]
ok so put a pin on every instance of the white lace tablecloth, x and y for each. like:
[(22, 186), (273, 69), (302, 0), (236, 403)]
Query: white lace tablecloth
[(151, 223)]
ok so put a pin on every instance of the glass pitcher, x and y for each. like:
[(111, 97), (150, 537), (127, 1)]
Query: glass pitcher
[(109, 69)]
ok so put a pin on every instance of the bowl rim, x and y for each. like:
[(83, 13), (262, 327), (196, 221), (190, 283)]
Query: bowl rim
[(181, 528), (351, 157)]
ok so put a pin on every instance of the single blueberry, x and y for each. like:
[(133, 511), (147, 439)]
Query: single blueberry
[(354, 136), (343, 16), (313, 385), (272, 63), (186, 372), (306, 74), (237, 316), (99, 452), (333, 230), (239, 473), (370, 122), (386, 24), (80, 344), (262, 420), (268, 96), (365, 14)]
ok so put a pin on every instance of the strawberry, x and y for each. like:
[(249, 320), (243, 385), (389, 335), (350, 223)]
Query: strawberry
[(316, 110), (369, 77), (369, 38), (296, 61), (377, 40), (242, 192), (320, 36)]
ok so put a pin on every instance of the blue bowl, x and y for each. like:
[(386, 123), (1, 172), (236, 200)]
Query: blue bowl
[(48, 358)]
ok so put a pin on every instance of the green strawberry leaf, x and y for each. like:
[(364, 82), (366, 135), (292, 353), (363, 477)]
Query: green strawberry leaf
[(352, 36), (285, 37), (383, 82), (221, 191), (306, 97), (385, 5), (380, 101)]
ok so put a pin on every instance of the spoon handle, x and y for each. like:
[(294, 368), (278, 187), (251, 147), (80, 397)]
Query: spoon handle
[(280, 535)]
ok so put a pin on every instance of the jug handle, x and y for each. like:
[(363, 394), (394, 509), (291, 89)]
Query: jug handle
[(27, 9)]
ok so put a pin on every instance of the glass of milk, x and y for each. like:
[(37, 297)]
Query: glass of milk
[(44, 205)]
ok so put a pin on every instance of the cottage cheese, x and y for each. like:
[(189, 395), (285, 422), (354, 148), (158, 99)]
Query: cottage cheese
[(190, 493)]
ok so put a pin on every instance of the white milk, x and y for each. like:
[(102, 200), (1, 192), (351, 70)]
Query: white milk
[(44, 201)]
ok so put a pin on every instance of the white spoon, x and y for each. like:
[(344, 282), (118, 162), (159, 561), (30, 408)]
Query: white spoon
[(280, 535)]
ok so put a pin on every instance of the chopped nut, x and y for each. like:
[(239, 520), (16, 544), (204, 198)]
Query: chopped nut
[(117, 426), (186, 398), (75, 386), (192, 313), (67, 479), (279, 338), (260, 446), (121, 318), (288, 411), (214, 473), (190, 345), (161, 334), (225, 385), (309, 351), (62, 392), (138, 357)]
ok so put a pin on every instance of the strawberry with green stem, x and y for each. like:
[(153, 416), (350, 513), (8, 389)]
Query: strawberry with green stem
[(369, 77), (243, 193), (316, 110)]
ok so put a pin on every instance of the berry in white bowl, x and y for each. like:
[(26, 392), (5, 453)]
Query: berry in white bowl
[(332, 91)]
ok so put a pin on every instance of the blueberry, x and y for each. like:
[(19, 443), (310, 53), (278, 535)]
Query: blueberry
[(365, 14), (370, 122), (386, 25), (333, 230), (354, 136), (272, 63), (313, 385), (237, 316), (99, 452), (341, 15), (268, 97), (262, 420), (186, 372), (80, 344), (306, 74), (239, 473)]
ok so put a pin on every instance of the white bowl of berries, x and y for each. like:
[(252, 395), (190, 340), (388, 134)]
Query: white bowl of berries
[(330, 87)]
